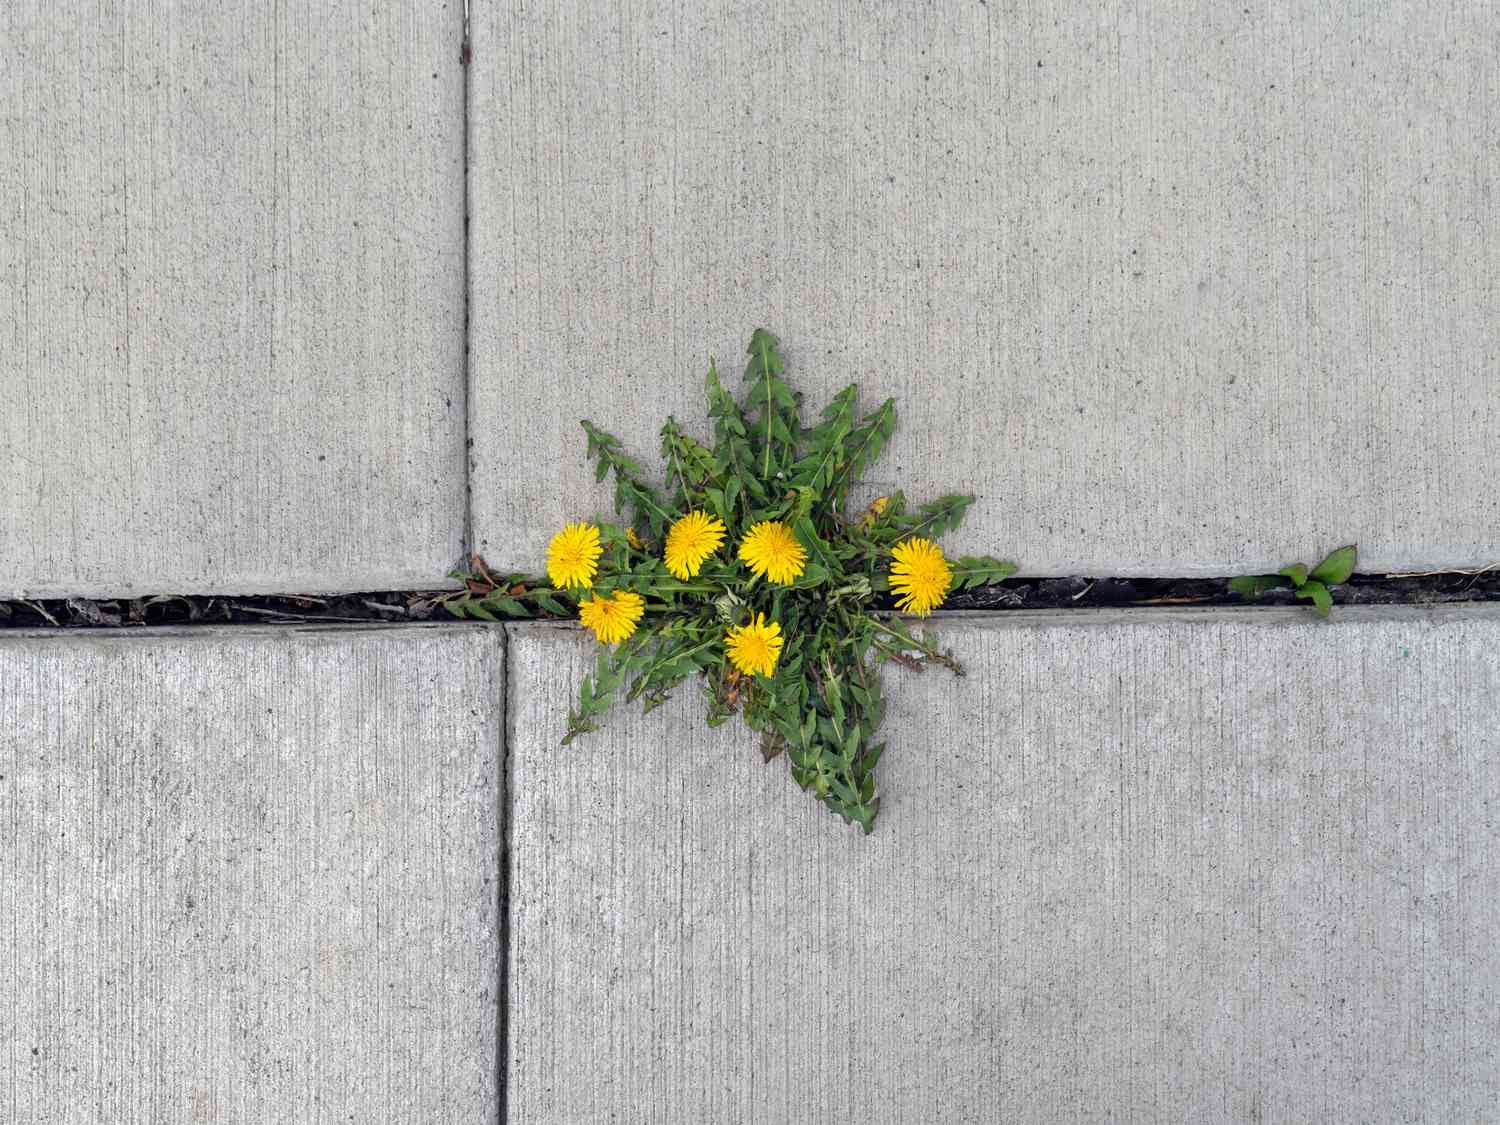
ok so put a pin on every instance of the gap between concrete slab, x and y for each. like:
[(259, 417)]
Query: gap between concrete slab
[(502, 991), (403, 607), (465, 57)]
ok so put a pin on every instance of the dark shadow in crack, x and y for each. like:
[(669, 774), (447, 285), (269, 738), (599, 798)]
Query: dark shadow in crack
[(407, 606)]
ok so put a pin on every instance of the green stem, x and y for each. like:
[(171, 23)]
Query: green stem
[(916, 527), (681, 469), (912, 644), (642, 490), (677, 656), (532, 592), (770, 406), (667, 585), (908, 642), (842, 478), (923, 524), (666, 516)]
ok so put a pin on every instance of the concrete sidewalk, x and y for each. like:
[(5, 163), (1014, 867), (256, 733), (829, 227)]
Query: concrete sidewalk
[(1215, 866), (250, 876), (231, 298), (1179, 289), (1176, 291), (1212, 866)]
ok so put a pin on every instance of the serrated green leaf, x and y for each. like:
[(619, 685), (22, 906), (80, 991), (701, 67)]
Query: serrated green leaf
[(865, 444), (631, 491), (933, 519), (980, 570)]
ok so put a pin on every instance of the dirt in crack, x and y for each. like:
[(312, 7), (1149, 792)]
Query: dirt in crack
[(1096, 593), (406, 606), (392, 607)]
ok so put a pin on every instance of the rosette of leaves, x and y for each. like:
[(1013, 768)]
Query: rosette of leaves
[(1315, 584), (822, 707)]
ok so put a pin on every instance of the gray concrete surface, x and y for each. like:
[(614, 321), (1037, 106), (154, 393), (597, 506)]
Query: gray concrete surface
[(231, 297), (1212, 866), (1175, 288), (250, 876)]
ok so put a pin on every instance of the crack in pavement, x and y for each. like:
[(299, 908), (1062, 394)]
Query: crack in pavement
[(401, 607)]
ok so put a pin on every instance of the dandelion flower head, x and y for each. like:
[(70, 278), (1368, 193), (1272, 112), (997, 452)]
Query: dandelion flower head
[(692, 539), (573, 556), (770, 549), (613, 617), (920, 576), (754, 648)]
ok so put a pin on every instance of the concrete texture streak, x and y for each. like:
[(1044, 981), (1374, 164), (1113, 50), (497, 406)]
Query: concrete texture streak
[(231, 297), (250, 876), (1174, 288), (1225, 866)]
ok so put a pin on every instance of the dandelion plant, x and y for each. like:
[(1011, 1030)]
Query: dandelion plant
[(747, 572)]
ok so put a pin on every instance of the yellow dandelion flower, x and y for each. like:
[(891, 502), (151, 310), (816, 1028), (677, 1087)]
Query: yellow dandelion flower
[(612, 618), (770, 549), (920, 575), (754, 649), (692, 539), (573, 556), (632, 538)]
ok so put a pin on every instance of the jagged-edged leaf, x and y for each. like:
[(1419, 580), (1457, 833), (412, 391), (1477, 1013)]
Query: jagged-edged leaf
[(690, 466), (733, 453), (865, 444), (551, 605), (980, 570), (631, 489), (824, 444), (934, 518), (772, 406)]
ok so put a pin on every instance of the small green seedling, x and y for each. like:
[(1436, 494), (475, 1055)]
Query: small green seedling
[(1313, 584)]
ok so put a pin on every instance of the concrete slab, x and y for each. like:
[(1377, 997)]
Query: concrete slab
[(1170, 866), (250, 876), (231, 297), (1176, 289)]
